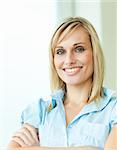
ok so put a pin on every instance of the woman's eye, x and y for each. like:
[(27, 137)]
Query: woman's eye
[(60, 51), (79, 49)]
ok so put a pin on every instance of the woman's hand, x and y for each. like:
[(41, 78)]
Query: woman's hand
[(27, 136)]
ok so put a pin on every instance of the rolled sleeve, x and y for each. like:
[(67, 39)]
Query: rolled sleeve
[(114, 114), (34, 113)]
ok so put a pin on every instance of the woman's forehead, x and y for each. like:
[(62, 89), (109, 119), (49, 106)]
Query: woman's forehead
[(80, 32)]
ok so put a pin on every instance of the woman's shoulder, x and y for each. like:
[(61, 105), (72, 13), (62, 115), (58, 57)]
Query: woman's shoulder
[(45, 101), (36, 111), (37, 104), (108, 101), (111, 98), (110, 95)]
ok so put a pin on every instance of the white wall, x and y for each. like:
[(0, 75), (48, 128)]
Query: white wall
[(91, 11), (116, 42), (25, 29), (109, 27), (65, 8)]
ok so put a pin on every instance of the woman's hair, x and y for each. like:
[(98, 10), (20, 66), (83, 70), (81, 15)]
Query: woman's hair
[(68, 26)]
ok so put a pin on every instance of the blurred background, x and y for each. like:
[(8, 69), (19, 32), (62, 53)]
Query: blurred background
[(26, 27)]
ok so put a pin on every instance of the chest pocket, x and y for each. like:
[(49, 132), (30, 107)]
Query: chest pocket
[(96, 130), (94, 133), (88, 134)]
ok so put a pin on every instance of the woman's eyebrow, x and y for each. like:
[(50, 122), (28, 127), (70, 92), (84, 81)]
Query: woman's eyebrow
[(78, 44), (73, 45), (58, 46)]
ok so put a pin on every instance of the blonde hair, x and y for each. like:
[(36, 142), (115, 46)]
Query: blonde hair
[(69, 25)]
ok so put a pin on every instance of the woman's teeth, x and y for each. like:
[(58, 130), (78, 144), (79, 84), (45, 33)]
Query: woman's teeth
[(72, 70)]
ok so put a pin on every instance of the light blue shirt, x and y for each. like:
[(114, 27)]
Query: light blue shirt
[(90, 127)]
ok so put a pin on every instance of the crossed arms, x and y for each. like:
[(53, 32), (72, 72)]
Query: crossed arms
[(27, 139)]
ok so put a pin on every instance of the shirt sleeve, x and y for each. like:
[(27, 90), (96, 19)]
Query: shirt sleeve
[(114, 114), (34, 113)]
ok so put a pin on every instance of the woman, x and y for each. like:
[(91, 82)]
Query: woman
[(80, 114)]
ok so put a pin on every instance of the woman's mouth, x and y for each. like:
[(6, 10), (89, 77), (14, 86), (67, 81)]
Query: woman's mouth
[(73, 70)]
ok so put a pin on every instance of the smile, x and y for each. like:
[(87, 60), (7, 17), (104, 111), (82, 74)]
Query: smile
[(72, 71)]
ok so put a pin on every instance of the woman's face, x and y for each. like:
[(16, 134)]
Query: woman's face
[(73, 58)]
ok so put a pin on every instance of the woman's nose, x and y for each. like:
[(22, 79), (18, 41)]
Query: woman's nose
[(69, 59)]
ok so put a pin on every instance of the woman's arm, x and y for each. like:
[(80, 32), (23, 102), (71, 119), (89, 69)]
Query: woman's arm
[(15, 146), (111, 143), (45, 148), (27, 139)]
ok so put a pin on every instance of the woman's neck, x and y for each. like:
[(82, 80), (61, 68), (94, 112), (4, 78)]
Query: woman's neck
[(78, 94)]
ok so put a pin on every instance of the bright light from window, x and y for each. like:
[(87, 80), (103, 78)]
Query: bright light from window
[(26, 29)]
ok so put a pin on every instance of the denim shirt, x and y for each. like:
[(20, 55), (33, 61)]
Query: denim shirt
[(90, 127)]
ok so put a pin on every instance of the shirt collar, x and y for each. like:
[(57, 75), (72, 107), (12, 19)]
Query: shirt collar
[(99, 104), (58, 95)]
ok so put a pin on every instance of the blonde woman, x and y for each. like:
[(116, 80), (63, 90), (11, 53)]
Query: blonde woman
[(81, 114)]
